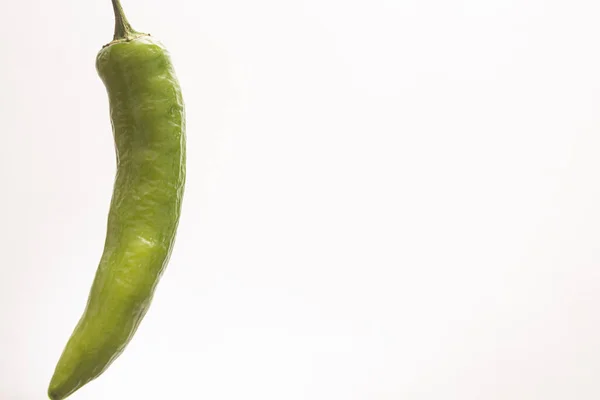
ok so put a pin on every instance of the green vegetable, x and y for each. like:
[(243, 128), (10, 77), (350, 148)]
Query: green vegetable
[(148, 120)]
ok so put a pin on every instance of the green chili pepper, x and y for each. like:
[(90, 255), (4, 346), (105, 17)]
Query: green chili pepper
[(148, 120)]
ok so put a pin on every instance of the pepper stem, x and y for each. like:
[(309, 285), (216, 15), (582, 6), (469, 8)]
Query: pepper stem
[(123, 29)]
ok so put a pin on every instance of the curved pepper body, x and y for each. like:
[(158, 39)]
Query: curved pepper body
[(148, 119)]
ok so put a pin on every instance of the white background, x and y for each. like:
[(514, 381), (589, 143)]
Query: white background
[(386, 199)]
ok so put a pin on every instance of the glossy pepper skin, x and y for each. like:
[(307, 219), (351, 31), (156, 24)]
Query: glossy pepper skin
[(148, 119)]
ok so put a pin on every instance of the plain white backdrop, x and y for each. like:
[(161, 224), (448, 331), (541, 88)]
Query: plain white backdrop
[(386, 199)]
